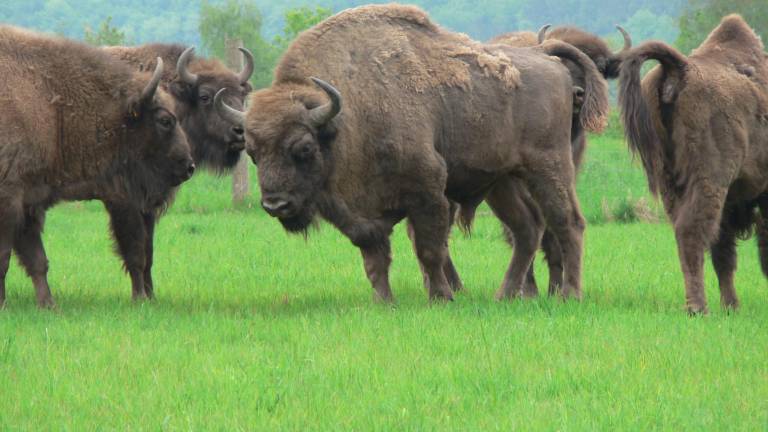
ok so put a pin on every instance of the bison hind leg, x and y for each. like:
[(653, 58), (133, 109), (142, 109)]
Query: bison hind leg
[(28, 245), (724, 262), (430, 221)]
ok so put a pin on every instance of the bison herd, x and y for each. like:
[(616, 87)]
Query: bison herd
[(376, 115)]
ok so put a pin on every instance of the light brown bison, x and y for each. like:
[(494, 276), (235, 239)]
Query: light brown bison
[(216, 143), (76, 124), (700, 126), (427, 116)]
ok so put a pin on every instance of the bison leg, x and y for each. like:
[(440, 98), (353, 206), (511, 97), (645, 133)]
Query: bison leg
[(508, 201), (530, 288), (696, 226), (377, 260), (129, 231), (28, 245), (451, 274), (724, 261), (430, 236), (554, 257), (552, 185), (149, 249), (10, 217)]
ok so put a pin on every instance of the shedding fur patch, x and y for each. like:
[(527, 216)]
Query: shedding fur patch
[(409, 47)]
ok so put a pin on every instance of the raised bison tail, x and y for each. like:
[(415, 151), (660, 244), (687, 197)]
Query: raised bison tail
[(635, 112), (594, 112)]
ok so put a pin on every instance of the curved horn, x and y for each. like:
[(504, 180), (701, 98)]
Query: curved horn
[(543, 32), (149, 91), (325, 113), (627, 39), (247, 71), (227, 112), (181, 67)]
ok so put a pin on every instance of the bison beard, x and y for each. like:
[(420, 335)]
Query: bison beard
[(697, 124), (85, 126), (428, 116)]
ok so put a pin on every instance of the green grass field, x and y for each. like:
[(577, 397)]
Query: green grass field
[(253, 329)]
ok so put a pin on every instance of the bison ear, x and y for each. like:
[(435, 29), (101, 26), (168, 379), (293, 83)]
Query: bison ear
[(180, 90)]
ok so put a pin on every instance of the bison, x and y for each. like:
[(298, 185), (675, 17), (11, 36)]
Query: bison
[(700, 126), (428, 116), (76, 124), (607, 63), (216, 143)]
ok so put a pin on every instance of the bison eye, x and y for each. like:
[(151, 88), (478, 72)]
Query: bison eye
[(166, 122), (303, 152), (205, 98)]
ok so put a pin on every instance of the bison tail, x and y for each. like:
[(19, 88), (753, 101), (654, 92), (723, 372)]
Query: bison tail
[(635, 112), (594, 112)]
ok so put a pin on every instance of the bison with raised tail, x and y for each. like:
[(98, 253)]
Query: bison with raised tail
[(700, 126), (216, 143), (414, 116), (76, 124), (607, 62)]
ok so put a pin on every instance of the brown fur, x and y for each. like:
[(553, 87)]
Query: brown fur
[(216, 144), (73, 127), (699, 126), (427, 116)]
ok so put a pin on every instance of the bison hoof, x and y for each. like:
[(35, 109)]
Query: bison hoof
[(46, 303), (697, 310)]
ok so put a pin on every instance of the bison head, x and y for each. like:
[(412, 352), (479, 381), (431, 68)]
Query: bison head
[(157, 142), (216, 143), (607, 61), (289, 131)]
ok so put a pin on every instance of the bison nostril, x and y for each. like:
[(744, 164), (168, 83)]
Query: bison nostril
[(191, 169), (274, 204)]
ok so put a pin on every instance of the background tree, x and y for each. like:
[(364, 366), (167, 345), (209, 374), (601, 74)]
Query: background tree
[(701, 16), (237, 19), (298, 20), (106, 34)]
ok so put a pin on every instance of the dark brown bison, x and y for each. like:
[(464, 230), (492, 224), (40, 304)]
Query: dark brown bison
[(607, 63), (216, 143), (76, 124), (700, 126), (428, 116)]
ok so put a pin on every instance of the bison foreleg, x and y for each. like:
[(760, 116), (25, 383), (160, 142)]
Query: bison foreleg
[(451, 274), (10, 218), (28, 245), (376, 260), (149, 229), (430, 235), (129, 231)]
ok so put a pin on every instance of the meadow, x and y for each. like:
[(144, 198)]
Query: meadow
[(253, 329)]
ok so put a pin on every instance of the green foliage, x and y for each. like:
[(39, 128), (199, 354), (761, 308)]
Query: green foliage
[(237, 19), (298, 20), (700, 17), (105, 35)]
